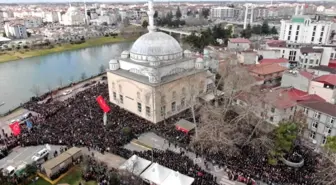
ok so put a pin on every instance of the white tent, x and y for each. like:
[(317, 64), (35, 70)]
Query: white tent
[(135, 165), (176, 178), (156, 173)]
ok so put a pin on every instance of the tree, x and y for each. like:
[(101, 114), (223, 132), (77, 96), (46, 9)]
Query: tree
[(189, 13), (205, 12), (83, 76), (265, 28), (178, 13), (31, 169), (274, 30), (102, 69), (36, 90), (144, 24), (284, 137), (246, 33), (256, 29), (28, 34), (156, 14), (4, 34)]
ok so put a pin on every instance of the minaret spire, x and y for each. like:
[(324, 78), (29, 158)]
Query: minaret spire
[(151, 12)]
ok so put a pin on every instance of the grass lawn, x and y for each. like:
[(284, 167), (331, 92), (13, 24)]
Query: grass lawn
[(72, 178), (14, 55)]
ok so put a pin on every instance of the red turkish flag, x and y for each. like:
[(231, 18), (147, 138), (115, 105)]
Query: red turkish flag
[(15, 127), (103, 104)]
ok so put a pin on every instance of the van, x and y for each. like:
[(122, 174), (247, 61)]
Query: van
[(40, 154)]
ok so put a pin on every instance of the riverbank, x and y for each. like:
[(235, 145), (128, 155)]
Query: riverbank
[(16, 55)]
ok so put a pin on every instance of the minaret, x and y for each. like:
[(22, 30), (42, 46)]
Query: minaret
[(69, 3), (245, 18), (150, 13), (86, 16), (297, 10)]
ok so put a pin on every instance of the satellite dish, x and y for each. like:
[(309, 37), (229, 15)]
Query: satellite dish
[(48, 147)]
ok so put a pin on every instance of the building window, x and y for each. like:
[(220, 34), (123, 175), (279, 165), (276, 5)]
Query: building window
[(173, 106), (317, 61), (183, 91), (324, 140), (138, 95), (163, 110), (271, 118), (182, 102), (120, 88), (332, 120), (139, 107), (315, 124), (114, 95), (272, 109), (328, 130), (121, 98), (147, 111), (322, 29), (174, 95), (317, 115), (312, 134), (306, 61)]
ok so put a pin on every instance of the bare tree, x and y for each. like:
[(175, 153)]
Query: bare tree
[(102, 69), (36, 90), (72, 79)]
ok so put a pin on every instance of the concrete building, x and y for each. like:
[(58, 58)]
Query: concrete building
[(321, 119), (32, 22), (325, 87), (51, 17), (154, 79), (15, 30), (73, 17), (223, 13), (297, 79), (310, 57), (239, 44), (303, 29)]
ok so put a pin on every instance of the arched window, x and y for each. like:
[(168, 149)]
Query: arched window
[(113, 85)]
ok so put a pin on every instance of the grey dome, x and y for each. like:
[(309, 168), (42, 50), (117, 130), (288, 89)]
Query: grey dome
[(157, 44)]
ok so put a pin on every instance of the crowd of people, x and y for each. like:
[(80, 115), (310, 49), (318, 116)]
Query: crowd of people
[(77, 121)]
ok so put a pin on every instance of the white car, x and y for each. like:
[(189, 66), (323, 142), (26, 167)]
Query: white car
[(10, 170), (67, 92), (40, 154)]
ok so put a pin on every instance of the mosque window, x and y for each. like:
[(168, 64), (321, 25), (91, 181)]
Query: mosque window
[(148, 111), (163, 110), (114, 95), (120, 88), (113, 85), (121, 97), (139, 107), (173, 106), (174, 94), (163, 99)]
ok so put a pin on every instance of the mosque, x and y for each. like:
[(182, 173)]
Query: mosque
[(156, 79)]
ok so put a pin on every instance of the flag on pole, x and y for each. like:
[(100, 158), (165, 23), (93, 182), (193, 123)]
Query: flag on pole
[(15, 127), (103, 104), (29, 124), (105, 118)]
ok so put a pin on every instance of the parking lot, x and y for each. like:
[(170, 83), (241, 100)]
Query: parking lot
[(20, 155)]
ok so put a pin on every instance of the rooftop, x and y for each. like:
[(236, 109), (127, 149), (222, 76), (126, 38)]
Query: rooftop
[(240, 40), (265, 69), (324, 68), (321, 106), (276, 43), (329, 79), (311, 50), (273, 60)]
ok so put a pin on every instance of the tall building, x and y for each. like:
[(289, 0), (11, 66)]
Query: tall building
[(156, 79), (223, 13), (303, 29), (15, 30)]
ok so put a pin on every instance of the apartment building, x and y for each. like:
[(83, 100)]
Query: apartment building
[(297, 79), (239, 44), (310, 57), (223, 13), (321, 119), (324, 86), (15, 30), (303, 29)]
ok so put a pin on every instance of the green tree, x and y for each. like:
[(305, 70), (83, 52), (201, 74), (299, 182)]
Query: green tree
[(284, 137), (265, 28), (189, 13), (246, 33), (330, 145), (274, 30), (256, 29), (156, 14), (31, 169), (144, 24), (178, 13), (205, 12)]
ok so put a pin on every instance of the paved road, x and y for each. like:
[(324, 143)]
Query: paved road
[(155, 141), (24, 154)]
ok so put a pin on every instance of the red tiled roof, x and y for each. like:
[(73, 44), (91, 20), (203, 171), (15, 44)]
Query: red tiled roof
[(265, 69), (273, 60), (307, 74), (276, 43), (240, 40), (327, 79)]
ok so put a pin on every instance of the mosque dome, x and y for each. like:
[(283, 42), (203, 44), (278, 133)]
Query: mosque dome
[(155, 44)]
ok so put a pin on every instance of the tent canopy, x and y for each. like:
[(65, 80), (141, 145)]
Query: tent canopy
[(156, 173), (176, 178), (135, 165), (184, 125)]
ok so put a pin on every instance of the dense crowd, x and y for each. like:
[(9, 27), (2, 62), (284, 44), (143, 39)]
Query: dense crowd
[(78, 121)]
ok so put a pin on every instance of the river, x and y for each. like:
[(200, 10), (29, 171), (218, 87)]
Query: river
[(17, 78)]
